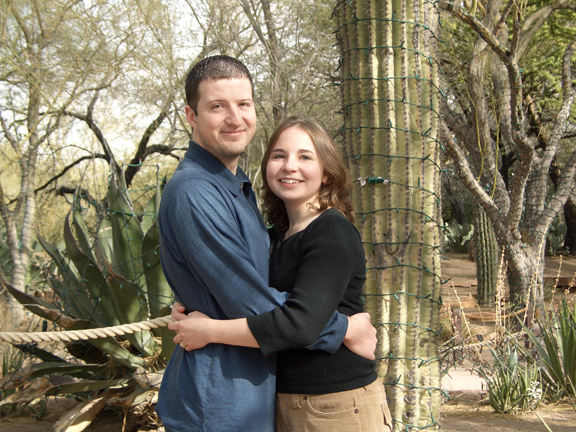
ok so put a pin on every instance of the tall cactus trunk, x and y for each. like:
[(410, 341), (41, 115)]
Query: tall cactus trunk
[(390, 100), (486, 252)]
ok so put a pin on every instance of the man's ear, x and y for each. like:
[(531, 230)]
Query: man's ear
[(190, 116)]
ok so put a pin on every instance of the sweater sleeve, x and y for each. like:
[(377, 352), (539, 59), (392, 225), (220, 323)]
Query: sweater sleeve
[(331, 254)]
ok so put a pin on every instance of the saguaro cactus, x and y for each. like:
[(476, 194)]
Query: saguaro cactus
[(486, 252), (390, 101)]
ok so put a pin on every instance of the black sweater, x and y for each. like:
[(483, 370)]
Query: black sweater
[(325, 262)]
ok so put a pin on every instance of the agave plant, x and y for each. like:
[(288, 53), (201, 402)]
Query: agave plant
[(513, 384), (105, 277), (555, 349)]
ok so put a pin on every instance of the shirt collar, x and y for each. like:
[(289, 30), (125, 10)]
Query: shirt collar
[(235, 183)]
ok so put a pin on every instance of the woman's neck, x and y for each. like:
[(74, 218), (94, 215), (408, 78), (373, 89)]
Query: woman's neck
[(299, 218)]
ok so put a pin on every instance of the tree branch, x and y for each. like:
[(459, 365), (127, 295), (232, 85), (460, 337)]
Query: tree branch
[(567, 184), (143, 150), (97, 132), (535, 21), (467, 176), (561, 120), (9, 136), (70, 166)]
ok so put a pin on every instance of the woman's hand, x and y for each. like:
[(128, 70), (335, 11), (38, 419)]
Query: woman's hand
[(178, 311), (193, 331)]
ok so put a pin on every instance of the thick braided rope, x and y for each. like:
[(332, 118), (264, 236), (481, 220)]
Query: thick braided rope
[(75, 335)]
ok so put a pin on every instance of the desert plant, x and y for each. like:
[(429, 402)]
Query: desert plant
[(390, 99), (486, 252), (513, 384), (11, 362), (105, 277), (456, 237), (555, 349), (555, 238)]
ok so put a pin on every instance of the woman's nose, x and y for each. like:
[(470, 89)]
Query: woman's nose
[(290, 164)]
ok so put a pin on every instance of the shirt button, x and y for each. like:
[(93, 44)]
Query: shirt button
[(356, 410), (305, 397)]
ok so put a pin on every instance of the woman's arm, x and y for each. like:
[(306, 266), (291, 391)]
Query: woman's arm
[(196, 330)]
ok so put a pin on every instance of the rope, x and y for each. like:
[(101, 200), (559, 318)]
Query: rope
[(75, 335)]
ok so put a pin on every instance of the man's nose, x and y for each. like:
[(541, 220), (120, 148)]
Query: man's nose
[(234, 116)]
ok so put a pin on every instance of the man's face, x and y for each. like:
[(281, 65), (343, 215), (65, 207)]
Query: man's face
[(225, 119)]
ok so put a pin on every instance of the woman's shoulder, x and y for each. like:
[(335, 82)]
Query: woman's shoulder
[(334, 216), (333, 220)]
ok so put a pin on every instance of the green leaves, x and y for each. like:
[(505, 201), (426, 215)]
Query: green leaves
[(113, 276)]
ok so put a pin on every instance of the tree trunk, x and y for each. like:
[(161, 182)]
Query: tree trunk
[(525, 275), (389, 92)]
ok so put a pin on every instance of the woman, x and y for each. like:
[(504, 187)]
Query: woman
[(306, 193)]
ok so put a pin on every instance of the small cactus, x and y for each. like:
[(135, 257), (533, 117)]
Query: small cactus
[(486, 251)]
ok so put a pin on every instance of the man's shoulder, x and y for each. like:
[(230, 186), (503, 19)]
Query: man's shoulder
[(192, 177), (191, 187)]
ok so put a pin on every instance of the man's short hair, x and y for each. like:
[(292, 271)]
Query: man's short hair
[(214, 68)]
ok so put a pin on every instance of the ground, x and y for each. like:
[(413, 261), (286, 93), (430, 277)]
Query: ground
[(465, 412), (474, 418)]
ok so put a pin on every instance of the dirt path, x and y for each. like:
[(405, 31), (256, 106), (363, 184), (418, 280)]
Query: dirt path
[(474, 418)]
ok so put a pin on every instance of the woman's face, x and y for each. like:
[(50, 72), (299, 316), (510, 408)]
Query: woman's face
[(294, 171)]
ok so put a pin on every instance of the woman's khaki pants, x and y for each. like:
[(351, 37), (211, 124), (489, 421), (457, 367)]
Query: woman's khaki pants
[(363, 410)]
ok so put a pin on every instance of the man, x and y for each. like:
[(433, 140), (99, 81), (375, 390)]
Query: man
[(214, 253)]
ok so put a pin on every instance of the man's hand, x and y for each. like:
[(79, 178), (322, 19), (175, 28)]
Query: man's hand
[(361, 336), (193, 332)]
